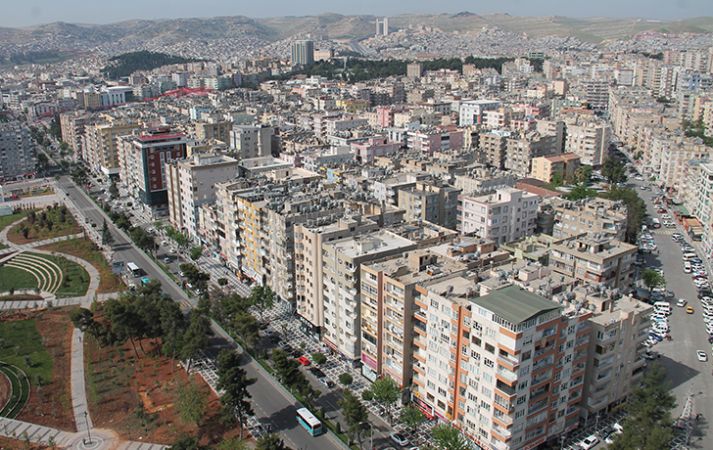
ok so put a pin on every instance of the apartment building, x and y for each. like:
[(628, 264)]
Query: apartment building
[(595, 215), (431, 140), (616, 351), (72, 128), (504, 216), (101, 143), (309, 237), (506, 368), (251, 141), (521, 149), (387, 308), (481, 179), (214, 130), (143, 159), (596, 259), (492, 147), (703, 206), (342, 260), (17, 151), (471, 111), (588, 138), (596, 93), (191, 183), (431, 203), (552, 167)]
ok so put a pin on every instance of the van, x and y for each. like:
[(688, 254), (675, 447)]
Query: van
[(664, 307), (689, 255)]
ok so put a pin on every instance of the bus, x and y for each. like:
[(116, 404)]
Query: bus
[(133, 269), (309, 422)]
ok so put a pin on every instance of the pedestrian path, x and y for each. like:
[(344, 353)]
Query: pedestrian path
[(16, 429)]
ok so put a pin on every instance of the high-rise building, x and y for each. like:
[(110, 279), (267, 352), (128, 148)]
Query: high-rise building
[(342, 260), (589, 139), (143, 164), (17, 151), (213, 130), (309, 238), (431, 203), (414, 70), (382, 27), (100, 143), (302, 53), (191, 184)]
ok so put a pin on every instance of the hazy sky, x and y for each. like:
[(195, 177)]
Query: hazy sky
[(17, 13)]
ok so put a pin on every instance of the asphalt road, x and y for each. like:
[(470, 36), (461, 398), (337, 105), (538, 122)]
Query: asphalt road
[(686, 374), (272, 404)]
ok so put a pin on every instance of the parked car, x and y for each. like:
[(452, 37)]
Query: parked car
[(701, 355), (303, 360), (399, 439), (589, 442)]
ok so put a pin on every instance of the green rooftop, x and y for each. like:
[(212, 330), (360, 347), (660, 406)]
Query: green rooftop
[(515, 305)]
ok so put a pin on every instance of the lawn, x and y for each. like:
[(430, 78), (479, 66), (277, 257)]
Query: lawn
[(39, 343), (21, 346), (75, 280), (14, 278), (7, 220), (88, 251), (39, 227), (136, 397)]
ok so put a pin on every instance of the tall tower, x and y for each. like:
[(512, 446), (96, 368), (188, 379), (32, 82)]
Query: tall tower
[(302, 53), (382, 27)]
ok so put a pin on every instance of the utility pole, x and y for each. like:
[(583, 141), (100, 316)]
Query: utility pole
[(86, 418)]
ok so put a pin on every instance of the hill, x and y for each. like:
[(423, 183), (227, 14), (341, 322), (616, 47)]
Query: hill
[(128, 63)]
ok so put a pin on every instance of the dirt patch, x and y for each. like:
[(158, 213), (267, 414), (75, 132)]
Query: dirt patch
[(136, 397), (16, 444), (4, 390), (51, 404)]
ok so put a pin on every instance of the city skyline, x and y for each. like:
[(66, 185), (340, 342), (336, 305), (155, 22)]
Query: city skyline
[(75, 11)]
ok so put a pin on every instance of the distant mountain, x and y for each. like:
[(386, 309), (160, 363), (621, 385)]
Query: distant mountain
[(160, 34)]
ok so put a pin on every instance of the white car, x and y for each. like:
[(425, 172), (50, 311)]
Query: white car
[(399, 439), (588, 442), (701, 355), (681, 302)]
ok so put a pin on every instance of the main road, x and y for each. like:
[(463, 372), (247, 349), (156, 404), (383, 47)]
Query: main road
[(272, 404), (687, 375)]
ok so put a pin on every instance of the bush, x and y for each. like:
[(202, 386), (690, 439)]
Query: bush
[(319, 358), (346, 379)]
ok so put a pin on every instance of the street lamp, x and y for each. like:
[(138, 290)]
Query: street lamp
[(86, 418)]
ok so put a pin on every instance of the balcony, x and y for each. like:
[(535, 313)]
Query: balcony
[(504, 388), (507, 374), (508, 361), (419, 314)]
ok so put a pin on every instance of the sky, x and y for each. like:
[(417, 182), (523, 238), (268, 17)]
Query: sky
[(19, 13)]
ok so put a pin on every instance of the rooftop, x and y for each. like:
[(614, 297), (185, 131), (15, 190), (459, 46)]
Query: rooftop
[(515, 305)]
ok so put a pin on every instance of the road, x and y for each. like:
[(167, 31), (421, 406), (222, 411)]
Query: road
[(687, 375), (271, 403)]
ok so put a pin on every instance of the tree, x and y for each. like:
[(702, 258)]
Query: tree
[(262, 297), (648, 425), (247, 326), (195, 339), (580, 192), (386, 392), (196, 252), (270, 442), (25, 232), (411, 417), (652, 279), (285, 367), (82, 318), (557, 179), (233, 443), (142, 239), (222, 281), (355, 414), (187, 443), (234, 382), (113, 190), (346, 378), (583, 174), (614, 171), (319, 358), (191, 403), (635, 210), (448, 438), (107, 237)]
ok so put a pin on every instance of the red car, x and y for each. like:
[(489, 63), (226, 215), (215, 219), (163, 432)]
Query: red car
[(304, 360)]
